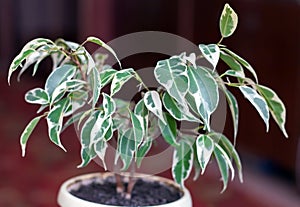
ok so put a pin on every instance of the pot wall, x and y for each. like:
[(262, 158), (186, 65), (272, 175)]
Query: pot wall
[(65, 199)]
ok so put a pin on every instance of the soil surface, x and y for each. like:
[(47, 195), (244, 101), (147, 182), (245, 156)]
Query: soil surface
[(145, 193)]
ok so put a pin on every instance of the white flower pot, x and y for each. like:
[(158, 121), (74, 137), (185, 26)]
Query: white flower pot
[(65, 199)]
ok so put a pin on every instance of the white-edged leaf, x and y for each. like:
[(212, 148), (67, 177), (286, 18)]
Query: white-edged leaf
[(59, 75), (120, 78), (37, 96), (172, 75), (153, 103), (234, 73), (211, 53), (103, 44), (87, 149), (100, 149), (96, 85), (179, 112), (182, 162), (55, 121), (204, 90), (258, 102), (205, 147), (230, 150), (107, 75), (242, 61), (27, 132), (276, 106), (101, 127), (234, 109), (109, 105), (228, 21), (126, 147), (143, 150), (224, 164), (138, 128), (232, 63)]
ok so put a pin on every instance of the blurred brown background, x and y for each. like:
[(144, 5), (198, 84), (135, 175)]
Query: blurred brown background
[(267, 36)]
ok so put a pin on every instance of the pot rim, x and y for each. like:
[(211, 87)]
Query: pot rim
[(66, 199)]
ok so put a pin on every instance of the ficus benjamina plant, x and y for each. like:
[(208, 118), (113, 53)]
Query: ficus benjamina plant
[(188, 92)]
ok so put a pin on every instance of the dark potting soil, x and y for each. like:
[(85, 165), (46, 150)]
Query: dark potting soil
[(145, 193)]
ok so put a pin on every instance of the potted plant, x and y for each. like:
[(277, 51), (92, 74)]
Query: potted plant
[(81, 90)]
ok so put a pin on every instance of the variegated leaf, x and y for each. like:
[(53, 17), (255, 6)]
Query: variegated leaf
[(59, 75), (120, 78), (204, 90), (27, 50), (241, 61), (126, 147), (27, 132), (153, 103), (107, 75), (101, 127), (275, 105), (234, 109), (37, 96), (230, 150), (234, 73), (87, 147), (205, 147), (103, 44), (179, 112), (224, 164), (169, 130), (258, 102), (143, 150), (182, 162), (96, 85), (138, 128), (100, 149), (228, 21), (172, 74), (232, 63), (109, 105), (55, 121), (211, 53)]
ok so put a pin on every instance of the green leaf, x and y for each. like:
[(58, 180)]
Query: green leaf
[(126, 147), (205, 147), (120, 78), (276, 106), (224, 164), (182, 162), (234, 109), (204, 90), (172, 74), (178, 111), (138, 128), (169, 130), (153, 103), (37, 96), (100, 149), (55, 121), (241, 61), (87, 149), (96, 85), (258, 102), (27, 132), (211, 53), (228, 21), (143, 150), (107, 75), (103, 44), (59, 75)]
